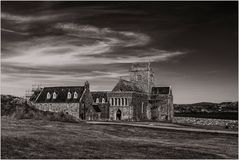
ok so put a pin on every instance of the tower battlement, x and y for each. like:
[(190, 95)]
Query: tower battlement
[(142, 74), (140, 67)]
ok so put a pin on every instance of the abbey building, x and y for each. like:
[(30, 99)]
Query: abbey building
[(135, 99)]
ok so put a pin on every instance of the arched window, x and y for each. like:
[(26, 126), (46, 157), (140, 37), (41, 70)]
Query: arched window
[(75, 95), (69, 95), (116, 102), (54, 95), (122, 101), (48, 96), (119, 102), (97, 100), (126, 101), (103, 100), (112, 101)]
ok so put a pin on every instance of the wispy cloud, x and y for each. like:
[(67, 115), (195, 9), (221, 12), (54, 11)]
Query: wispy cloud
[(122, 38), (69, 53), (12, 31), (25, 19), (42, 51)]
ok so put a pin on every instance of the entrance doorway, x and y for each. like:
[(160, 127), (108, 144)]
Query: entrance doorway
[(118, 115)]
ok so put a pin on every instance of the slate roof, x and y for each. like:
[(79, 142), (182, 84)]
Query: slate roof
[(160, 90), (35, 95), (100, 95), (61, 94), (124, 86)]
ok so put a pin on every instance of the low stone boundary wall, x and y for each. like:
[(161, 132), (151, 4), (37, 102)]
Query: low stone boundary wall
[(228, 124)]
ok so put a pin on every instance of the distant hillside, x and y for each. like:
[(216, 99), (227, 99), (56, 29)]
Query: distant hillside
[(19, 108), (207, 107), (224, 110)]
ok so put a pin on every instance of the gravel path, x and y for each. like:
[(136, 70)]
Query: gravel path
[(169, 126)]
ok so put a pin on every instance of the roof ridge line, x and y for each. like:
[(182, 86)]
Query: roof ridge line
[(63, 86)]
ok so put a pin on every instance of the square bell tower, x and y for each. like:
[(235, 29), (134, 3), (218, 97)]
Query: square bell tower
[(143, 75)]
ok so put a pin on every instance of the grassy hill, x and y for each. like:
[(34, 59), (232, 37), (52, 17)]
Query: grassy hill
[(16, 107), (224, 110)]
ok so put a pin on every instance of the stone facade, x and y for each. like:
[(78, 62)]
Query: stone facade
[(121, 103), (162, 107), (139, 103), (68, 108), (104, 108), (144, 100), (143, 75), (92, 114), (101, 105), (73, 100), (121, 113), (86, 103)]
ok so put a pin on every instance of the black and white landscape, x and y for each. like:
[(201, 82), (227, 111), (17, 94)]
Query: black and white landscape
[(119, 80)]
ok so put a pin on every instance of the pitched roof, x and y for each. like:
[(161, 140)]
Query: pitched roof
[(160, 90), (124, 85), (61, 93), (35, 95), (100, 95)]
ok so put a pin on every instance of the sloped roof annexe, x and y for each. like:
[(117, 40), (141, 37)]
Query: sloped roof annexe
[(61, 94)]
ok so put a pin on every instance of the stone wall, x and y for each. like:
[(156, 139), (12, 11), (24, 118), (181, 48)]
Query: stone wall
[(232, 124), (148, 112), (91, 114), (69, 108), (162, 107), (126, 112), (143, 76), (136, 108), (139, 103), (86, 104), (104, 107), (119, 94)]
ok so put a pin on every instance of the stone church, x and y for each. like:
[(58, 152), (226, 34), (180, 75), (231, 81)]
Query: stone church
[(139, 99), (136, 99)]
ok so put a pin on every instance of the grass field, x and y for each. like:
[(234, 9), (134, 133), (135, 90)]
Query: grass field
[(45, 139)]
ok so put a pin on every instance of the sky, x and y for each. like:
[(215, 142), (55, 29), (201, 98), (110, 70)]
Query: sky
[(192, 46)]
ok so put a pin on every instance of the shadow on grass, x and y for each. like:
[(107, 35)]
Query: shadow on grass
[(29, 148)]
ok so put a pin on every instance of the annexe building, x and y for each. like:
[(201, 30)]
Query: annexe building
[(73, 100), (100, 110), (161, 102)]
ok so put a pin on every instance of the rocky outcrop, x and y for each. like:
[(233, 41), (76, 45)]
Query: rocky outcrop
[(206, 107)]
